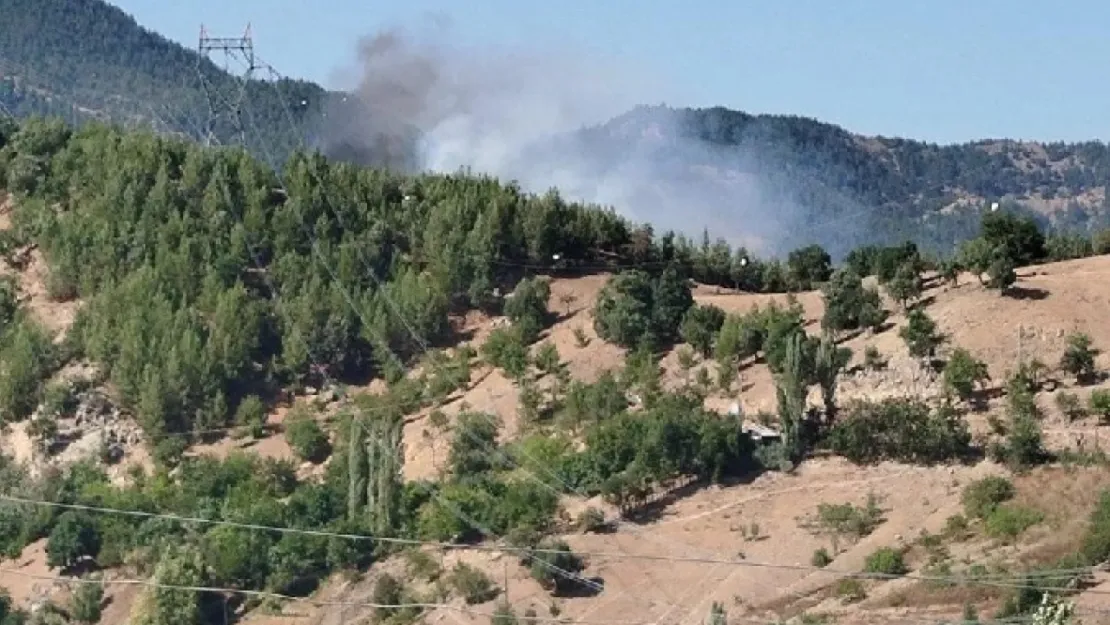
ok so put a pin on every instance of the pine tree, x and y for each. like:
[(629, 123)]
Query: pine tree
[(356, 469), (829, 361), (791, 389)]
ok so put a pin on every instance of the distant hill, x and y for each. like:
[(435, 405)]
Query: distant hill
[(83, 59), (862, 189)]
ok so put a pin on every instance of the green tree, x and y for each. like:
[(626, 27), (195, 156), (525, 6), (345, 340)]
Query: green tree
[(307, 439), (700, 326), (623, 312), (921, 334), (73, 538), (634, 309), (906, 285), (177, 566), (1079, 357), (848, 305), (85, 605), (475, 437), (791, 387), (976, 256), (526, 307), (1019, 238), (963, 372), (902, 430), (1099, 403), (807, 266), (829, 361), (1001, 274), (671, 298)]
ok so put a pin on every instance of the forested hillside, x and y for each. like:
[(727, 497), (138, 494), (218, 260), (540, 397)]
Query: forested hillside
[(85, 59)]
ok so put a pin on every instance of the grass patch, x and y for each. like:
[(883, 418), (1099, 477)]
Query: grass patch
[(1007, 522)]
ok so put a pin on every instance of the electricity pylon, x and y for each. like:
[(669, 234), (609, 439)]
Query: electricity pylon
[(226, 102)]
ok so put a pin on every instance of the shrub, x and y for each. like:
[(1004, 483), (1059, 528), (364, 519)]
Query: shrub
[(872, 358), (473, 585), (963, 372), (821, 558), (850, 590), (1070, 406), (556, 568), (1099, 403), (885, 561), (307, 439), (591, 520), (851, 520), (982, 496), (1078, 358), (388, 590), (1008, 522)]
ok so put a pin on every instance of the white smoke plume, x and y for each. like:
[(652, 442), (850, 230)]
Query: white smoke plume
[(518, 114)]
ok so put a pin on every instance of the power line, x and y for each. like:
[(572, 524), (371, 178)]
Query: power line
[(60, 579), (1064, 573)]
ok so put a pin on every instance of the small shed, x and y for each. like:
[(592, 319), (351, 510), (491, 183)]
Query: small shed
[(762, 434)]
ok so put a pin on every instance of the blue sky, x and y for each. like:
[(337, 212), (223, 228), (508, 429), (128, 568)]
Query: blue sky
[(940, 70)]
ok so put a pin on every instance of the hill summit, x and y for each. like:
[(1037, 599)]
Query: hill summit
[(770, 181)]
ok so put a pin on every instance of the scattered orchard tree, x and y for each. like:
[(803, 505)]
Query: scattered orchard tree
[(921, 334), (963, 373), (850, 306), (700, 325), (1099, 403), (906, 285), (1079, 357)]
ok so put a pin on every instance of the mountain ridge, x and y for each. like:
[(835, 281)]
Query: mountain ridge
[(86, 59)]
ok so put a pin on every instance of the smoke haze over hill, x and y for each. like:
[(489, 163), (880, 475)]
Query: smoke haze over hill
[(546, 119)]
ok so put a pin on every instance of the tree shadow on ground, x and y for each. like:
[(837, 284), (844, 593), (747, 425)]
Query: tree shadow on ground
[(656, 509), (1025, 293)]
